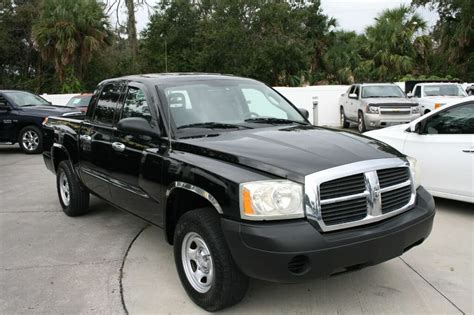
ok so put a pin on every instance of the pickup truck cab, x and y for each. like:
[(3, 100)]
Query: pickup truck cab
[(21, 116), (376, 105), (241, 183), (431, 96)]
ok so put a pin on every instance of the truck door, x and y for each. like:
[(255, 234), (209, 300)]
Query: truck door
[(7, 124), (354, 104), (128, 155), (95, 138)]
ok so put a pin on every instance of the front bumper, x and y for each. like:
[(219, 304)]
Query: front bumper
[(295, 251), (373, 121)]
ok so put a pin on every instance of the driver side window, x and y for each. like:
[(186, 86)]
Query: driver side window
[(457, 120), (417, 92)]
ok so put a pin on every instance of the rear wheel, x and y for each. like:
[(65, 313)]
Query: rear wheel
[(204, 263), (73, 197), (30, 140), (344, 122), (361, 123)]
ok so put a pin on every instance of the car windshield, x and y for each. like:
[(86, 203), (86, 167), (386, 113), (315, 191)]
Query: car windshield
[(444, 90), (79, 101), (227, 104), (382, 91), (21, 98)]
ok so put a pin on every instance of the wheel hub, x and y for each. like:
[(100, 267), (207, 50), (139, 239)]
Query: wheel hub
[(30, 140), (197, 262), (64, 189)]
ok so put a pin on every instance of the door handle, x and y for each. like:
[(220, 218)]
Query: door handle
[(85, 138), (119, 147), (468, 150)]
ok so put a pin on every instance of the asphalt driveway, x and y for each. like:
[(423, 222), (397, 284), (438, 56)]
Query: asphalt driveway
[(109, 262)]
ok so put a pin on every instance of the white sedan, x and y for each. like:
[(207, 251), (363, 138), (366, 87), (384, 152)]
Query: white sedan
[(443, 144)]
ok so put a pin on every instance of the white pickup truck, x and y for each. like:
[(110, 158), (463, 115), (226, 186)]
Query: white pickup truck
[(376, 105), (432, 96)]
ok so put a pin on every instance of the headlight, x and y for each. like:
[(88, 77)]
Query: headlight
[(271, 200), (372, 109), (415, 110), (415, 171)]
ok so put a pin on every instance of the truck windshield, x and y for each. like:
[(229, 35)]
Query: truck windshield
[(382, 91), (21, 98), (444, 90), (227, 104)]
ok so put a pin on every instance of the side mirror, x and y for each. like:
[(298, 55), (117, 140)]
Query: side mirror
[(136, 125), (410, 94), (4, 106), (304, 112), (417, 127), (353, 95)]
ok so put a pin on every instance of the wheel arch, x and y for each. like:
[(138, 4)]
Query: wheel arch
[(182, 197)]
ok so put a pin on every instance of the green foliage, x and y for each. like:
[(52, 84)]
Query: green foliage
[(454, 34), (69, 46), (68, 33)]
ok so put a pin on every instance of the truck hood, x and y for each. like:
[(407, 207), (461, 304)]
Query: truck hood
[(289, 152), (49, 110), (389, 100)]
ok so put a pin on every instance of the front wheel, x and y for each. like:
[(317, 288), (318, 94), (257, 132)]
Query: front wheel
[(361, 123), (205, 266), (344, 122), (30, 140)]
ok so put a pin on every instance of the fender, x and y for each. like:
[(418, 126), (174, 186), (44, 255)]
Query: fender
[(199, 191)]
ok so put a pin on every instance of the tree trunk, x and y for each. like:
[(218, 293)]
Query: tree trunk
[(132, 29)]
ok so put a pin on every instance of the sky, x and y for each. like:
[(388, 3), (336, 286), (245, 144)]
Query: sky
[(351, 15)]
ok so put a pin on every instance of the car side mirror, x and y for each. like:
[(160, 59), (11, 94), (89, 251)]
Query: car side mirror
[(353, 95), (416, 127), (410, 94), (4, 106), (304, 112), (136, 125)]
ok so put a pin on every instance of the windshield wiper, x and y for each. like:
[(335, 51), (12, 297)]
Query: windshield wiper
[(213, 125), (272, 120)]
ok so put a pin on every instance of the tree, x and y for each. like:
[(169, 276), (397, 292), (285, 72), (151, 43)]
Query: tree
[(454, 34), (389, 51), (68, 33)]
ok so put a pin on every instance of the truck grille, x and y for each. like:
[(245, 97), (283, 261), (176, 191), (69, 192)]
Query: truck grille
[(365, 195), (405, 110), (392, 176)]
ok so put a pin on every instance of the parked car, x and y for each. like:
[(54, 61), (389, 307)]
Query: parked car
[(81, 102), (377, 105), (432, 96), (239, 180), (443, 144), (21, 116)]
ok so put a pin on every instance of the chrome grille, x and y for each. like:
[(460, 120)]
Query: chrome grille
[(344, 211), (359, 193), (392, 176), (342, 187), (395, 199)]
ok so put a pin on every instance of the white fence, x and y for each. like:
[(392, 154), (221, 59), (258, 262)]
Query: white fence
[(327, 95)]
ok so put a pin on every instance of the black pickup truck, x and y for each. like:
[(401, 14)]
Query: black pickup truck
[(21, 116), (240, 182)]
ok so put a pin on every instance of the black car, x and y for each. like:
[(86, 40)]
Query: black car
[(241, 183), (21, 116)]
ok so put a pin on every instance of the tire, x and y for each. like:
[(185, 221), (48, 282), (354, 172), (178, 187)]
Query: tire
[(344, 122), (361, 123), (73, 197), (224, 284), (30, 139), (426, 111)]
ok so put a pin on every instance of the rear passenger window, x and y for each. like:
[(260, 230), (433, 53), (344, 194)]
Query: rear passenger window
[(107, 103), (135, 104)]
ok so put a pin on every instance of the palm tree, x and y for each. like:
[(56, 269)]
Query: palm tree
[(69, 32), (389, 49)]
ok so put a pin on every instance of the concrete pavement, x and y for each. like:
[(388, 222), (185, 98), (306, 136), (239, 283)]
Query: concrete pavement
[(50, 263)]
